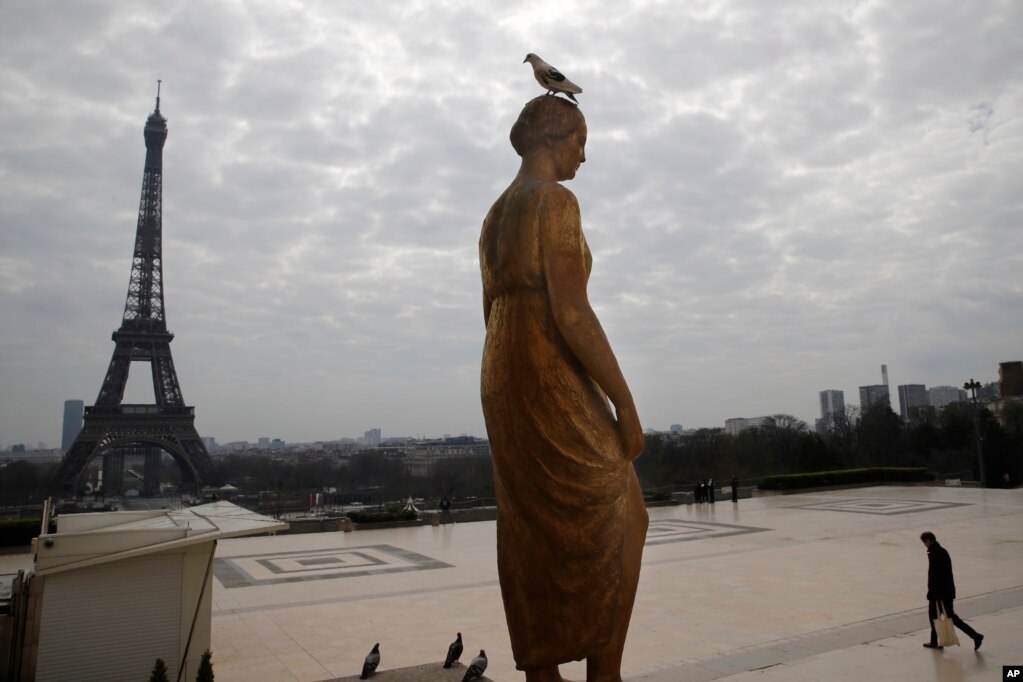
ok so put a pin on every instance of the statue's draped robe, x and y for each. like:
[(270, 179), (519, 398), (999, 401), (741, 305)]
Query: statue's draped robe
[(563, 483)]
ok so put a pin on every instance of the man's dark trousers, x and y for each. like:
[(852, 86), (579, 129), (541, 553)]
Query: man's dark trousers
[(946, 604)]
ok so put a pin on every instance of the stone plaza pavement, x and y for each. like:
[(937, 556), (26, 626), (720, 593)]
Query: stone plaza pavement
[(796, 588), (827, 585)]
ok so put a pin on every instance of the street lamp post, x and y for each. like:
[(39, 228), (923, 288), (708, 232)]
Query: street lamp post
[(972, 385)]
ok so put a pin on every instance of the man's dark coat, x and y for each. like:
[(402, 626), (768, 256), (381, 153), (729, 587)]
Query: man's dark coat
[(940, 584)]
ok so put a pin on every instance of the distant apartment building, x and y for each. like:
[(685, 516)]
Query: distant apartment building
[(21, 453), (420, 457), (874, 395), (912, 396), (263, 443), (735, 425), (370, 438), (1010, 379), (940, 396), (675, 428), (74, 412)]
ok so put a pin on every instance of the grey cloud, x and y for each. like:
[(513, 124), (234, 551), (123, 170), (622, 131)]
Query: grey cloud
[(779, 197)]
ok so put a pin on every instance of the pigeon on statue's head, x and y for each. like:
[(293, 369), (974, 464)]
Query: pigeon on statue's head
[(476, 668), (551, 79), (369, 666), (454, 651)]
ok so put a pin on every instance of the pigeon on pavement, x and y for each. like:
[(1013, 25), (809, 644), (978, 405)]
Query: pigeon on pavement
[(552, 79), (369, 666), (454, 651), (476, 668)]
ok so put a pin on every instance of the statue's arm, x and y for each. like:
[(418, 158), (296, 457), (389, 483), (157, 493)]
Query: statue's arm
[(484, 235), (561, 247)]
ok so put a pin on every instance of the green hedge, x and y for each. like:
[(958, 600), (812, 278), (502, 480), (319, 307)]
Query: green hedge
[(18, 532), (819, 479), (382, 516)]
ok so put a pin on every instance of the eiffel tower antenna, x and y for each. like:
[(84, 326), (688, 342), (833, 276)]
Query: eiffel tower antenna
[(110, 428)]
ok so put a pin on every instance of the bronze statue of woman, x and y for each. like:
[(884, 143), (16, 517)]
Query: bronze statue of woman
[(570, 516)]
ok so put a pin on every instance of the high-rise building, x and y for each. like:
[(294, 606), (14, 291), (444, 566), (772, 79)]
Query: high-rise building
[(989, 390), (1010, 378), (939, 396), (910, 396), (832, 402), (832, 405), (876, 394), (74, 411)]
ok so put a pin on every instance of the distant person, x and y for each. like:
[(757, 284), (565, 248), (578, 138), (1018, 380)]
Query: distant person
[(941, 588), (735, 490), (703, 490), (445, 511), (696, 493), (710, 490)]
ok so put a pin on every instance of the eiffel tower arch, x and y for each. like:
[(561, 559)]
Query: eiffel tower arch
[(167, 423)]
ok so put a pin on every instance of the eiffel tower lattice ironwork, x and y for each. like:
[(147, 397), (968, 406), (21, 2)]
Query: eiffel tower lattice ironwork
[(143, 337)]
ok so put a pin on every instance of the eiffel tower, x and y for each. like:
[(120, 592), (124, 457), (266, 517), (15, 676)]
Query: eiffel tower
[(111, 427)]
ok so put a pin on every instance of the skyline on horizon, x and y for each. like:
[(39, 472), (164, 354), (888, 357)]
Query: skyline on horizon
[(446, 434), (779, 198)]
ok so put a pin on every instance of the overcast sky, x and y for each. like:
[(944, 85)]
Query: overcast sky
[(779, 196)]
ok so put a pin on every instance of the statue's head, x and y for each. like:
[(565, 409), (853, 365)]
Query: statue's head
[(544, 120)]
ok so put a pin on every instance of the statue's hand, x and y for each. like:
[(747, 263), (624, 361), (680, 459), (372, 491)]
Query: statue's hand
[(630, 431)]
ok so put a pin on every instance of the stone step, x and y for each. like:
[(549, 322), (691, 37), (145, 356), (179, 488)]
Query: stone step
[(429, 672)]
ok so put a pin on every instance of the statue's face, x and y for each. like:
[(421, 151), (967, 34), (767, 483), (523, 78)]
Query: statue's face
[(570, 153)]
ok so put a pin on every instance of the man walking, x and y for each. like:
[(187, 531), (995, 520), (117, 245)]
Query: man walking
[(941, 588)]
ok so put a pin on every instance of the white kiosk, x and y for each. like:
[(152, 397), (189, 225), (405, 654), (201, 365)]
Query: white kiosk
[(111, 592)]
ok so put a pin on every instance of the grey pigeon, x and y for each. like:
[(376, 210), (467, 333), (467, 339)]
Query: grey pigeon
[(476, 668), (454, 651), (552, 79), (369, 666)]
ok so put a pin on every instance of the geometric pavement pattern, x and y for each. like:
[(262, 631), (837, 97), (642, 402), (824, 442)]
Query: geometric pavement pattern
[(879, 507), (319, 564), (675, 530), (349, 562)]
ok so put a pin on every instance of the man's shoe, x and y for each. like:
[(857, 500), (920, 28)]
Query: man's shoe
[(977, 641), (935, 646)]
